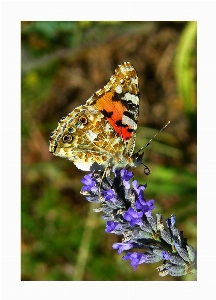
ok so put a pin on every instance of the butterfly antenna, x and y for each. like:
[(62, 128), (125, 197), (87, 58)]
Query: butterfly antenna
[(141, 149)]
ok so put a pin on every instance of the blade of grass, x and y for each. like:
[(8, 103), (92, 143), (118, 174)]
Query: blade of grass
[(85, 244), (184, 67)]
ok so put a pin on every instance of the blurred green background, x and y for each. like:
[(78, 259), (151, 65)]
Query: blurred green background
[(62, 65)]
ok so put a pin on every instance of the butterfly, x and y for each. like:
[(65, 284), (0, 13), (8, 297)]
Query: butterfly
[(102, 133)]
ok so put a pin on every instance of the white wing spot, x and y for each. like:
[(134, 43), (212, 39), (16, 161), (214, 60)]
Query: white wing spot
[(129, 122), (118, 89), (133, 98), (82, 164), (135, 80), (91, 135)]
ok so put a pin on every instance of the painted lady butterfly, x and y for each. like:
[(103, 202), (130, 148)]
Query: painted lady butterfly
[(102, 132)]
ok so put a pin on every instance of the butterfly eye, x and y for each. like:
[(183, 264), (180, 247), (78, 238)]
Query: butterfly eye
[(83, 120), (67, 138)]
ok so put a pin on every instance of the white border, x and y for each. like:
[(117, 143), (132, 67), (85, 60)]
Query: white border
[(15, 11)]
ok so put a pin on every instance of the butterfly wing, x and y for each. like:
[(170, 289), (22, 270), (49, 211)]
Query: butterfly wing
[(118, 101), (104, 130)]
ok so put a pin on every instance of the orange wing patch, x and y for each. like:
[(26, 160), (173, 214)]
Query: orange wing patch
[(113, 111)]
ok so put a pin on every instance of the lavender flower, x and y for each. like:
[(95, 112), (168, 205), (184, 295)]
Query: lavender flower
[(136, 259), (133, 216), (126, 176), (89, 183), (128, 214), (122, 246), (112, 226), (109, 195)]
